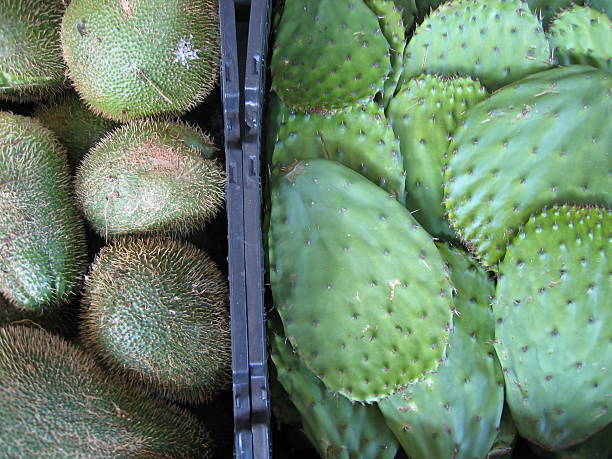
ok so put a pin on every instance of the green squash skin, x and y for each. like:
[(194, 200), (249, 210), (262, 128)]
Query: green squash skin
[(57, 402), (156, 310), (44, 250), (76, 127), (139, 58), (31, 64), (150, 177)]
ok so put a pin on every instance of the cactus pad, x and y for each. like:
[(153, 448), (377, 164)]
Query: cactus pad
[(358, 137), (393, 28), (455, 412), (598, 446), (328, 55), (361, 288), (547, 9), (424, 115), (552, 330), (534, 143), (582, 36), (336, 426), (506, 437), (605, 6), (496, 41)]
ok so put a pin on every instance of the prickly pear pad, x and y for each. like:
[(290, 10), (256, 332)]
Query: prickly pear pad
[(552, 331), (336, 426), (602, 5), (393, 28), (598, 446), (408, 9), (546, 10), (496, 41), (537, 142), (362, 290), (424, 115), (582, 35), (456, 411), (506, 436), (358, 137), (328, 54)]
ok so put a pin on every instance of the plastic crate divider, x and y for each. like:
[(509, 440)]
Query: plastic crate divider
[(254, 88), (234, 192)]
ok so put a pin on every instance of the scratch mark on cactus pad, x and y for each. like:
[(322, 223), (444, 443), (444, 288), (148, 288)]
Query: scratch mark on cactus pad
[(392, 286)]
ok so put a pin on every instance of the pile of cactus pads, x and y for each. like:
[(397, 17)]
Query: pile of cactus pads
[(438, 226)]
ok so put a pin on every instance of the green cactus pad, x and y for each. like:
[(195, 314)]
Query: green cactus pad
[(337, 427), (328, 55), (424, 115), (408, 8), (358, 137), (75, 126), (362, 290), (582, 35), (534, 143), (393, 28), (506, 437), (605, 6), (276, 114), (31, 64), (456, 411), (546, 10), (425, 7), (598, 446), (281, 406), (42, 238), (496, 41), (552, 332)]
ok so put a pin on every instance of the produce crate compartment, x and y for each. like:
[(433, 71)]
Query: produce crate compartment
[(227, 417)]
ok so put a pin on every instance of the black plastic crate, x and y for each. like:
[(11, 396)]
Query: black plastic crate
[(234, 196), (245, 255)]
